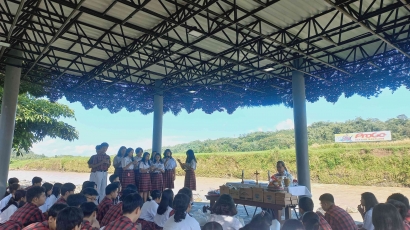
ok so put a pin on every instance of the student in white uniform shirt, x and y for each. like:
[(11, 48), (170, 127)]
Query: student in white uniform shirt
[(224, 211), (11, 207), (149, 208), (164, 211), (170, 165), (49, 189), (12, 189), (181, 220), (55, 195)]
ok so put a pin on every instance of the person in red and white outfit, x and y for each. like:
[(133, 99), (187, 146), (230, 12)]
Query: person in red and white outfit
[(170, 165), (157, 180), (99, 165), (189, 166), (144, 186), (128, 166)]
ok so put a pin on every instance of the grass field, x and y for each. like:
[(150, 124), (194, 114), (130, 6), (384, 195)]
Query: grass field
[(380, 164)]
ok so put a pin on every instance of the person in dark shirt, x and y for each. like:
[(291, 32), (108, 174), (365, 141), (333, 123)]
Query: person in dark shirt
[(70, 218)]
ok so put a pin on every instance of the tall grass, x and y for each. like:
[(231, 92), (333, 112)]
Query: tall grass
[(381, 164)]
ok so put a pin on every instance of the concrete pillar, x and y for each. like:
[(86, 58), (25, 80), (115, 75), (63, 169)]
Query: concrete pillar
[(299, 117), (158, 114), (8, 113)]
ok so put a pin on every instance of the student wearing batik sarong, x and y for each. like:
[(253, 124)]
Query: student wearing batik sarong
[(117, 162), (137, 159), (128, 164), (189, 167), (157, 182), (144, 185), (169, 164)]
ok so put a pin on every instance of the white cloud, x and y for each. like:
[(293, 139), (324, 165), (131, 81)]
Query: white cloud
[(260, 129), (286, 124)]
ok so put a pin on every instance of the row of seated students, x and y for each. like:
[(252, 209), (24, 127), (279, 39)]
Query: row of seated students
[(56, 207)]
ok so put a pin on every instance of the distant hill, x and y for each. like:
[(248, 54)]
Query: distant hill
[(319, 133)]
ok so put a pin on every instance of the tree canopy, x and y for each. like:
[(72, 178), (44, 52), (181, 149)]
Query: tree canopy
[(37, 118), (318, 133)]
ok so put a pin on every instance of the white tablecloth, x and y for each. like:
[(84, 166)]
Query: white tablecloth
[(299, 190)]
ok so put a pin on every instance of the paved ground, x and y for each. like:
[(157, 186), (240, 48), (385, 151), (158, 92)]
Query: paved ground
[(346, 196)]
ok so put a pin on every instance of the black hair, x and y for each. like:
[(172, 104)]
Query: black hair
[(56, 189), (55, 209), (132, 187), (180, 205), (127, 192), (165, 153), (327, 197), (128, 151), (190, 156), (212, 226), (67, 187), (131, 202), (186, 191), (306, 203), (18, 195), (283, 164), (311, 221), (34, 192), (13, 187), (370, 200), (36, 180), (111, 188), (88, 208), (400, 207), (400, 197), (155, 194), (89, 184), (90, 192), (166, 201), (157, 154), (224, 206), (113, 177), (98, 147), (75, 200), (143, 158), (48, 187), (293, 224), (261, 221), (104, 144), (139, 149), (13, 180), (69, 218), (119, 151), (386, 217)]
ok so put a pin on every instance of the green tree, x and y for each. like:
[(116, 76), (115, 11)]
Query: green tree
[(38, 118)]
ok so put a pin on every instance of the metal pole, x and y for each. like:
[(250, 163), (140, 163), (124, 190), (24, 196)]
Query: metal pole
[(8, 113), (158, 114), (299, 117)]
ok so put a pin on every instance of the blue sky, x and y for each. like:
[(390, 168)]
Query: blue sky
[(135, 130)]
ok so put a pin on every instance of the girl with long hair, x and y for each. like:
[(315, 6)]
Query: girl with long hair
[(157, 181), (367, 202), (164, 209), (144, 185), (117, 162), (127, 165), (311, 221), (14, 203), (261, 221), (386, 217), (282, 170), (170, 165), (55, 195), (224, 211), (181, 218), (189, 167), (48, 190), (137, 159)]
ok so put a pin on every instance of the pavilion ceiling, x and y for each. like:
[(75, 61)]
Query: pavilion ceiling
[(214, 55)]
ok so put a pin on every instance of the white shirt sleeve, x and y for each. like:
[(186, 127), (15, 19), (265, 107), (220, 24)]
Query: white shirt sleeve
[(367, 223), (4, 201), (193, 165)]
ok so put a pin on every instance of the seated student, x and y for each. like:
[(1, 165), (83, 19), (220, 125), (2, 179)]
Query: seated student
[(261, 221), (164, 209), (89, 184), (149, 210), (311, 221), (49, 189), (90, 221), (11, 181), (49, 224), (115, 211), (36, 181), (293, 224), (402, 198), (402, 210), (91, 194), (132, 187), (386, 217), (76, 200), (117, 199), (131, 208), (12, 189), (70, 218), (306, 205), (181, 220), (111, 192), (114, 178), (337, 217), (187, 191), (12, 206), (367, 202), (212, 226), (66, 190), (55, 195), (223, 212), (30, 213)]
